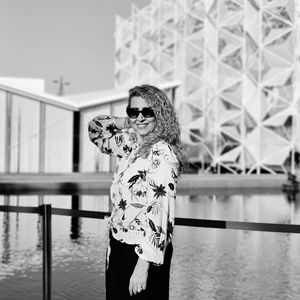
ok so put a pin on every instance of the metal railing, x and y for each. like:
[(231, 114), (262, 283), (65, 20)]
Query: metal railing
[(46, 211)]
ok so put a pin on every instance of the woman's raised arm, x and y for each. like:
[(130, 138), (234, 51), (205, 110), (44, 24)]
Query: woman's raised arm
[(110, 135)]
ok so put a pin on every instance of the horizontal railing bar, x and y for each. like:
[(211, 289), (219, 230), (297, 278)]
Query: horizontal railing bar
[(200, 223), (253, 226), (20, 209), (221, 224), (56, 211), (80, 213), (263, 227)]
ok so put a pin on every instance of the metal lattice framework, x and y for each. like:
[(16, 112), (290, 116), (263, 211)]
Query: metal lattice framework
[(238, 64)]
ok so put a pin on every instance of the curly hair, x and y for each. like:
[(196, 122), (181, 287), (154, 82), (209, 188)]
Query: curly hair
[(167, 126)]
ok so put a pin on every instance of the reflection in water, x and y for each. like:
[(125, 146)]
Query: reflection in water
[(75, 221), (6, 242), (207, 263), (292, 197), (17, 224), (6, 234), (269, 208), (39, 244)]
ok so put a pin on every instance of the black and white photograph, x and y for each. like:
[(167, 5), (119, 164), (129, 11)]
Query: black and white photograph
[(150, 150)]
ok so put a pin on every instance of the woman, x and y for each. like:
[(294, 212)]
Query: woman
[(143, 193)]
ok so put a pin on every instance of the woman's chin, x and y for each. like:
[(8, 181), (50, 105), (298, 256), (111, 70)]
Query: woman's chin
[(142, 131)]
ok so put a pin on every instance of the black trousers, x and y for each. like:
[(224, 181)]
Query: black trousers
[(122, 261)]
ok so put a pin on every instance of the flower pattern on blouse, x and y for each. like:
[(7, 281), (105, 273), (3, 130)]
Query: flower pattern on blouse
[(143, 191)]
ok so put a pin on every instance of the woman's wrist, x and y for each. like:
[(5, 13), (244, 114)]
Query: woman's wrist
[(120, 122), (143, 264), (126, 123)]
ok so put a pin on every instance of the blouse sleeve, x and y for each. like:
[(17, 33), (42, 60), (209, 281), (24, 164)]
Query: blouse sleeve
[(104, 133), (161, 193)]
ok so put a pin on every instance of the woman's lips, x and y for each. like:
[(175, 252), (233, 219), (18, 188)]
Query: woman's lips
[(142, 125)]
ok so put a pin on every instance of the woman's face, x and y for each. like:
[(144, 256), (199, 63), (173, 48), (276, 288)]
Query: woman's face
[(141, 124)]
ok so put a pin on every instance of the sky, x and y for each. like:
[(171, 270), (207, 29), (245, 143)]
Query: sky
[(70, 38)]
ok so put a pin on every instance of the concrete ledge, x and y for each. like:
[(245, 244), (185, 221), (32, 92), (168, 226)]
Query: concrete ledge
[(92, 183)]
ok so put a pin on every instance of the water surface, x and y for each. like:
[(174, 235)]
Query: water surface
[(207, 263)]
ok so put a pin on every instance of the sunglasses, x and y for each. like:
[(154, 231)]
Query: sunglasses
[(133, 113)]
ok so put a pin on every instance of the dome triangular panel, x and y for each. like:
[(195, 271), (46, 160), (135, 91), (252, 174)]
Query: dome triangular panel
[(193, 24), (229, 9), (284, 10), (233, 93)]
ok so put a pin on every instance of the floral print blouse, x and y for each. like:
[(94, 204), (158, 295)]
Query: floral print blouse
[(143, 191)]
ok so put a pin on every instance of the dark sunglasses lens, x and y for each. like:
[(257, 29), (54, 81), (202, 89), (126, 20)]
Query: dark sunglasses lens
[(147, 112), (134, 112)]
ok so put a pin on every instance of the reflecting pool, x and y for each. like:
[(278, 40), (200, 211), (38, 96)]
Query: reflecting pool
[(207, 263)]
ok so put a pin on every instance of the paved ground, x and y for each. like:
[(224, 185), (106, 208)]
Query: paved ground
[(100, 182)]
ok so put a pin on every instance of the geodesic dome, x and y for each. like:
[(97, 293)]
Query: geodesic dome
[(238, 64)]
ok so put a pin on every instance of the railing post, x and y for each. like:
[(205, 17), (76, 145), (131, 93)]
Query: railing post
[(47, 256)]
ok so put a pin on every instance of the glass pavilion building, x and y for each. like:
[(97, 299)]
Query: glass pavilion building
[(44, 133)]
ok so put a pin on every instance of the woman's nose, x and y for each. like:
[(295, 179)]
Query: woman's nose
[(140, 117)]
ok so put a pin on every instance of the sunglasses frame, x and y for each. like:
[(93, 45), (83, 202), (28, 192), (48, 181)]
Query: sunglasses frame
[(142, 111)]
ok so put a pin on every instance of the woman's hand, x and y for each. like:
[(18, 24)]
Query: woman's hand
[(121, 122), (138, 279)]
